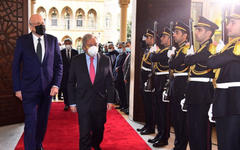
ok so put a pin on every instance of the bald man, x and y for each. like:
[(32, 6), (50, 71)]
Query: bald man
[(37, 80)]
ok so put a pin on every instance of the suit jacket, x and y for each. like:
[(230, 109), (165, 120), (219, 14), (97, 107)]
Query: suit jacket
[(82, 92), (118, 75), (34, 76), (66, 65)]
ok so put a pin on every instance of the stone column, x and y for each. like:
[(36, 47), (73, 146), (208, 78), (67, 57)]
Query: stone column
[(33, 2), (123, 27)]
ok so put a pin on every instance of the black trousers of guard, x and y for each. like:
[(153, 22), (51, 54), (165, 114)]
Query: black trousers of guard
[(228, 132), (199, 96), (178, 116), (162, 109), (147, 102)]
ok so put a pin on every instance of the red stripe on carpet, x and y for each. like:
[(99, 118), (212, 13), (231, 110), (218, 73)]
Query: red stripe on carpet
[(63, 132)]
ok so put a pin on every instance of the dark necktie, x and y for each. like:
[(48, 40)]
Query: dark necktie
[(39, 50)]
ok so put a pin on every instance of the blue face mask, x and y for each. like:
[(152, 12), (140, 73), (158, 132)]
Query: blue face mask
[(128, 50)]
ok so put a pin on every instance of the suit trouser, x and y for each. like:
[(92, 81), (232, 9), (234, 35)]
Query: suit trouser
[(65, 95), (120, 86), (91, 127), (178, 116), (127, 87), (147, 98), (36, 108), (162, 109), (198, 98), (228, 132)]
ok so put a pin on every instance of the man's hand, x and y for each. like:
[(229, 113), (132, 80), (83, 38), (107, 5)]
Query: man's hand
[(190, 51), (109, 106), (171, 52), (18, 94), (125, 81), (73, 108), (54, 91)]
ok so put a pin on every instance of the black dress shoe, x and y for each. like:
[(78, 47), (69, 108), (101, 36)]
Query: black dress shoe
[(41, 148), (66, 108), (141, 129), (118, 107), (155, 139), (147, 131), (160, 143)]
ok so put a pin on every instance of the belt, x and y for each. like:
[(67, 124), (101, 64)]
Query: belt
[(161, 73), (200, 79), (180, 74), (146, 69), (227, 85)]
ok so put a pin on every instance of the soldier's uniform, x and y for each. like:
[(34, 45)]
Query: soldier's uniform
[(161, 108), (146, 69), (226, 105), (199, 93), (180, 73)]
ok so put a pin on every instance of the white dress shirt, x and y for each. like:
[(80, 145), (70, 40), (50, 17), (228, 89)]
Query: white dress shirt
[(35, 42)]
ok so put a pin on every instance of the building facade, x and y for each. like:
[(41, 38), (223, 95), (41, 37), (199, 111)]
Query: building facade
[(74, 18)]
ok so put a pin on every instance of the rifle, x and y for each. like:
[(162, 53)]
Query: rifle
[(167, 90), (191, 32), (223, 23), (149, 87)]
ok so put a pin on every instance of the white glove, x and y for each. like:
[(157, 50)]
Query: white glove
[(153, 48), (220, 46), (163, 97), (171, 52), (190, 51), (210, 115), (182, 104)]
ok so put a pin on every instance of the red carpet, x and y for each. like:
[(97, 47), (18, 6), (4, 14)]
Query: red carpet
[(62, 132)]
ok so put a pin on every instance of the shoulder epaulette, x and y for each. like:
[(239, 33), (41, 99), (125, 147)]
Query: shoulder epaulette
[(236, 50), (212, 49), (167, 48), (185, 49)]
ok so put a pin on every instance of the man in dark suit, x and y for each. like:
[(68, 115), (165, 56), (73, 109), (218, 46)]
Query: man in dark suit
[(67, 54), (37, 74), (118, 76), (91, 92)]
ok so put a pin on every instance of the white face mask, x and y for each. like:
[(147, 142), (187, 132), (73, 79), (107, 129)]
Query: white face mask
[(92, 51), (120, 50), (68, 46)]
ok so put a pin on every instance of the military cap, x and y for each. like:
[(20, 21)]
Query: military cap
[(67, 39), (204, 22), (181, 26), (149, 32), (166, 31), (236, 13)]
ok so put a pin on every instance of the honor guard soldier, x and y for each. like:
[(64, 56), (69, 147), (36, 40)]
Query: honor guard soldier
[(180, 73), (162, 107), (146, 69), (226, 104), (199, 94)]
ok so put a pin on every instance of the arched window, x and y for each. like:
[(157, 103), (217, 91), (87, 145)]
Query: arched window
[(79, 17), (41, 11), (78, 44), (67, 16), (53, 16), (108, 21), (92, 15)]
